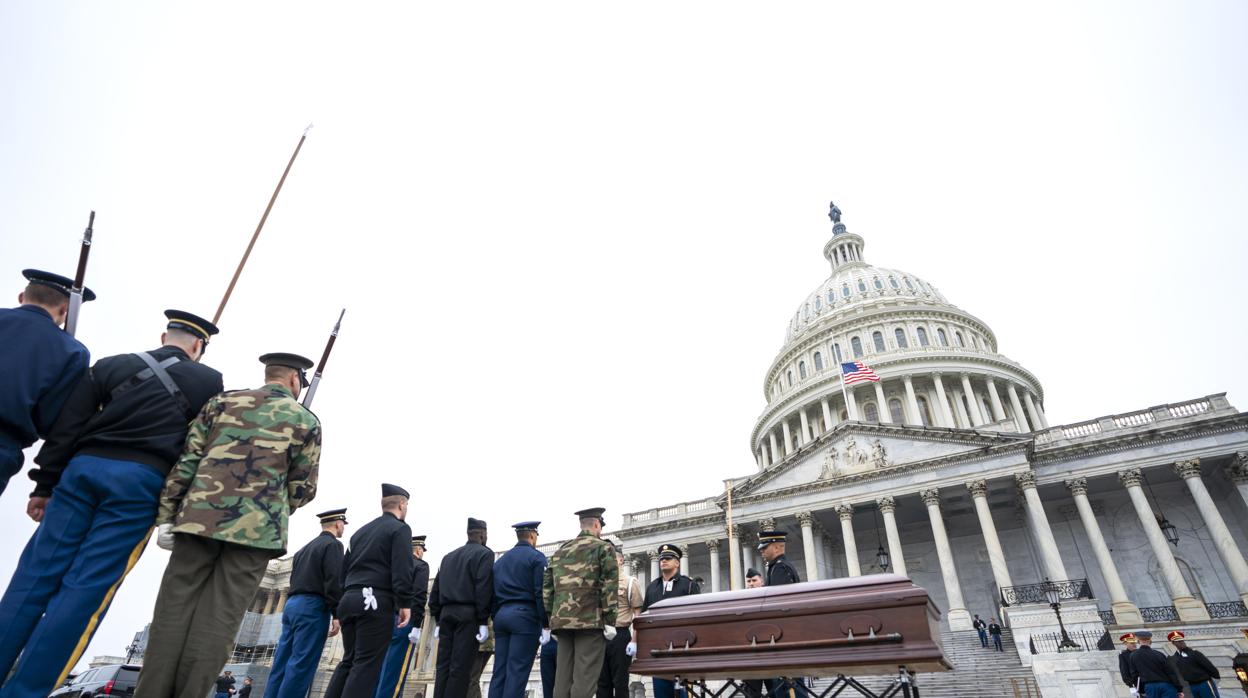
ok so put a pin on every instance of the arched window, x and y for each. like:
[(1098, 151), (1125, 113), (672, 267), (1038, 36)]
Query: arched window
[(818, 361), (892, 281), (862, 285), (924, 414), (877, 338), (801, 369), (941, 337), (871, 412), (831, 298), (844, 415), (894, 410), (806, 312), (845, 290), (836, 351), (958, 337), (790, 377), (922, 332), (856, 345), (878, 284), (908, 284), (818, 303), (900, 334)]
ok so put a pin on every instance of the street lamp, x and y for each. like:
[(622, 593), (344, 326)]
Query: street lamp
[(881, 556), (1167, 529), (1053, 594)]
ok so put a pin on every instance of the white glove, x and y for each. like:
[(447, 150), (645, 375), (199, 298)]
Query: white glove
[(545, 636), (1135, 692), (608, 631), (631, 649), (164, 536), (414, 636), (483, 633), (436, 628)]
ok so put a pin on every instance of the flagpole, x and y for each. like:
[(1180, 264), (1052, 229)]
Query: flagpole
[(734, 553)]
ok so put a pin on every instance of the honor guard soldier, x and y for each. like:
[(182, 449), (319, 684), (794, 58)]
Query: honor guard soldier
[(97, 489), (377, 597), (1157, 676), (1124, 660), (404, 641), (753, 579), (519, 615), (250, 459), (613, 681), (1194, 667), (461, 599), (311, 609), (39, 365), (670, 583), (779, 571), (579, 592)]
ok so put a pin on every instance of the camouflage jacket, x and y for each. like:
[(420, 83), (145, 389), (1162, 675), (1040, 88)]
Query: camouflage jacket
[(250, 459), (581, 583)]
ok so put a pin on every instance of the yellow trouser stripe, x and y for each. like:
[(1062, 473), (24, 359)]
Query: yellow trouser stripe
[(398, 687), (99, 612)]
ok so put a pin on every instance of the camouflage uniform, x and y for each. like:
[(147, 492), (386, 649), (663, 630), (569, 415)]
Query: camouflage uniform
[(579, 590), (250, 459)]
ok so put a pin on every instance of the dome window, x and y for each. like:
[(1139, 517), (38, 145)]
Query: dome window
[(845, 290), (831, 298), (958, 336), (922, 332), (871, 412), (892, 281), (877, 338), (806, 312), (836, 352), (818, 304), (790, 377), (878, 284), (801, 370), (924, 415), (941, 337), (900, 334), (862, 286), (894, 410), (855, 344), (908, 284), (818, 361)]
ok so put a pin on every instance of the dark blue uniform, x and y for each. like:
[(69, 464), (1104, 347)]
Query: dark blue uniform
[(780, 571), (315, 589), (1157, 676), (519, 617), (656, 591), (399, 656), (39, 366)]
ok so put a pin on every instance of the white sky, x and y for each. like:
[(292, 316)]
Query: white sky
[(569, 236)]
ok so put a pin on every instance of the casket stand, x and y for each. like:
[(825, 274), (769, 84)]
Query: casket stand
[(877, 624)]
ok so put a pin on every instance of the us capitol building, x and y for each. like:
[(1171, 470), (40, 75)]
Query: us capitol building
[(948, 471)]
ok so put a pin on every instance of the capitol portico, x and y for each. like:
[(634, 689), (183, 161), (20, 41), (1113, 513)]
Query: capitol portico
[(947, 470)]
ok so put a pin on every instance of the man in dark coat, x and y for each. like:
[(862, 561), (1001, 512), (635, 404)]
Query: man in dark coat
[(1124, 660), (405, 641), (462, 595), (1157, 676), (771, 545), (1194, 667), (994, 631), (982, 628), (668, 584)]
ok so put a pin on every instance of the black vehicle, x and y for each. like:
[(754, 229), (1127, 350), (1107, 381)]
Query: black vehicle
[(110, 680)]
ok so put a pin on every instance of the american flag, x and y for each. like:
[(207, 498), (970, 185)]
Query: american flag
[(857, 372)]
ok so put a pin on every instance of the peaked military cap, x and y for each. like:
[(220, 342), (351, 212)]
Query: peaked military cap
[(593, 513), (333, 515), (190, 322), (56, 282), (388, 490), (299, 363), (1128, 637), (476, 524), (766, 538), (1175, 635), (419, 542), (1144, 634), (670, 550), (752, 573), (525, 526)]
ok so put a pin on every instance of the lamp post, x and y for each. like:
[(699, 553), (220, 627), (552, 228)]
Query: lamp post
[(1053, 594), (881, 555), (1167, 529)]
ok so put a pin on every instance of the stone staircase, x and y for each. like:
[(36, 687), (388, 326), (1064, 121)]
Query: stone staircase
[(977, 672)]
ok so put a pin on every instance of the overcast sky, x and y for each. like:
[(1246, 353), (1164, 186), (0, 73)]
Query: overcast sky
[(569, 236)]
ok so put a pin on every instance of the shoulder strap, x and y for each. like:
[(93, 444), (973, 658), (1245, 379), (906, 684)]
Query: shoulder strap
[(158, 370)]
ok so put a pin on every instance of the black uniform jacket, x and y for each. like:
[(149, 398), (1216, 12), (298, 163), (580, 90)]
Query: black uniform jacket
[(380, 557), (317, 570), (1124, 668), (657, 590), (420, 587), (1193, 666), (139, 423), (466, 577), (780, 571), (1152, 667)]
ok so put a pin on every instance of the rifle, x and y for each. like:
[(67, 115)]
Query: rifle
[(320, 368), (75, 292)]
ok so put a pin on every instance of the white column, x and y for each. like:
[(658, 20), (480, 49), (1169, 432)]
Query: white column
[(684, 560), (959, 408), (1188, 607), (827, 414), (977, 419), (846, 514), (1049, 555), (807, 521), (851, 405), (775, 449), (1125, 612), (1238, 472), (766, 455), (1031, 410), (942, 403), (1019, 418), (886, 417), (736, 572), (1044, 419), (654, 565), (897, 556), (958, 617), (996, 555), (712, 546), (912, 402), (788, 437), (998, 410), (1228, 549), (805, 435)]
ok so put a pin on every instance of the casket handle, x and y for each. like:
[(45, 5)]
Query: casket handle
[(889, 638)]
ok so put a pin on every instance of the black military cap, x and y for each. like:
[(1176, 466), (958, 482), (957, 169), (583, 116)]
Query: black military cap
[(525, 526), (333, 515), (476, 525), (190, 322), (670, 550), (766, 538), (388, 490), (419, 542), (752, 573), (56, 282), (593, 513), (299, 363)]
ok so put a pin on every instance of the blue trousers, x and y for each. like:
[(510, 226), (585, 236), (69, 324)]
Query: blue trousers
[(996, 643), (1160, 690), (93, 532), (1204, 690), (983, 637), (550, 651), (666, 688), (399, 657), (517, 634), (305, 626)]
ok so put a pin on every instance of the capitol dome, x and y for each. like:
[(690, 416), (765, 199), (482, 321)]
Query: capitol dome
[(938, 365)]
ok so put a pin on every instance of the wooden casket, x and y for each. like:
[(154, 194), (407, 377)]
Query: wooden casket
[(855, 626)]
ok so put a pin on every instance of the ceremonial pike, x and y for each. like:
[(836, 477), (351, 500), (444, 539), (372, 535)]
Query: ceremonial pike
[(75, 291), (320, 368)]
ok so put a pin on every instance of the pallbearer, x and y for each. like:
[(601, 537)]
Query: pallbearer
[(579, 592), (780, 571), (311, 609), (460, 602), (670, 583), (404, 641), (1194, 667), (250, 459), (1124, 660), (613, 682), (39, 365), (519, 616)]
